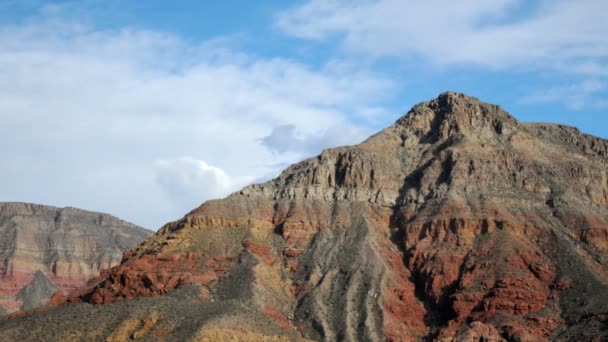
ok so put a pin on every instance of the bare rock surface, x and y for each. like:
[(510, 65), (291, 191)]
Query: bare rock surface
[(43, 246), (457, 223), (37, 293)]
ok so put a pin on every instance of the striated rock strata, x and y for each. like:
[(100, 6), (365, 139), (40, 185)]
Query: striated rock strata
[(457, 223), (44, 248)]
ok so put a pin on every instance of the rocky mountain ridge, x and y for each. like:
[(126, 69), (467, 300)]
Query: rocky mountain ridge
[(457, 223)]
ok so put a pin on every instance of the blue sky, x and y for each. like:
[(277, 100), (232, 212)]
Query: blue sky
[(145, 109)]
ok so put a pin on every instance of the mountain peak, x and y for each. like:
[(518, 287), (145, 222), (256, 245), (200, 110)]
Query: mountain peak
[(455, 96), (453, 113)]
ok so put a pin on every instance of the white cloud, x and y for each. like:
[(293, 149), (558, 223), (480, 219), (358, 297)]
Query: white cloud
[(575, 96), (101, 119), (492, 33), (189, 181), (85, 116)]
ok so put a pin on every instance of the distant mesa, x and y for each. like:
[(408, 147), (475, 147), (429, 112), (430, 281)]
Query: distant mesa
[(47, 249)]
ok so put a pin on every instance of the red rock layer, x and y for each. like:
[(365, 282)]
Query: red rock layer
[(151, 275)]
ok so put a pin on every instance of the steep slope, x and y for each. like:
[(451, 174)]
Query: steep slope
[(457, 223), (67, 245), (37, 293)]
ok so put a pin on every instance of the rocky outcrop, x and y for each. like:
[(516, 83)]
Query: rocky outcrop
[(43, 247), (457, 223)]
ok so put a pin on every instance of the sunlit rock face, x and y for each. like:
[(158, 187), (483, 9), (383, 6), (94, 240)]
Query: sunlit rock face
[(65, 247), (456, 223)]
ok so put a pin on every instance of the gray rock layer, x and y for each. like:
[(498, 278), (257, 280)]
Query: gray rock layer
[(36, 293)]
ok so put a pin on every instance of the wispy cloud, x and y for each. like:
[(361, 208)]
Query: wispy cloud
[(101, 118), (96, 110), (491, 33), (575, 96)]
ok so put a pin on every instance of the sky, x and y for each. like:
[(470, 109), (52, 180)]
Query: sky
[(145, 109)]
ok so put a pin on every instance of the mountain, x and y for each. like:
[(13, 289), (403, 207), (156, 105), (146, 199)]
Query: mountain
[(456, 223), (44, 249)]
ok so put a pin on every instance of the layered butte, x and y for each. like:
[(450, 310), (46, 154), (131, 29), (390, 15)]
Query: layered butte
[(46, 249), (456, 223)]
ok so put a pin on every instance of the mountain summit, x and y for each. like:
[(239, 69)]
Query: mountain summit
[(456, 223), (455, 113)]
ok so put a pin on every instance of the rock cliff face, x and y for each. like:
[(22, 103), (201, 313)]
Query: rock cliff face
[(457, 223), (42, 247)]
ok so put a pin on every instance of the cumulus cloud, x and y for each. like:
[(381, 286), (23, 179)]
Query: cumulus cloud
[(493, 33), (190, 181), (89, 113)]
